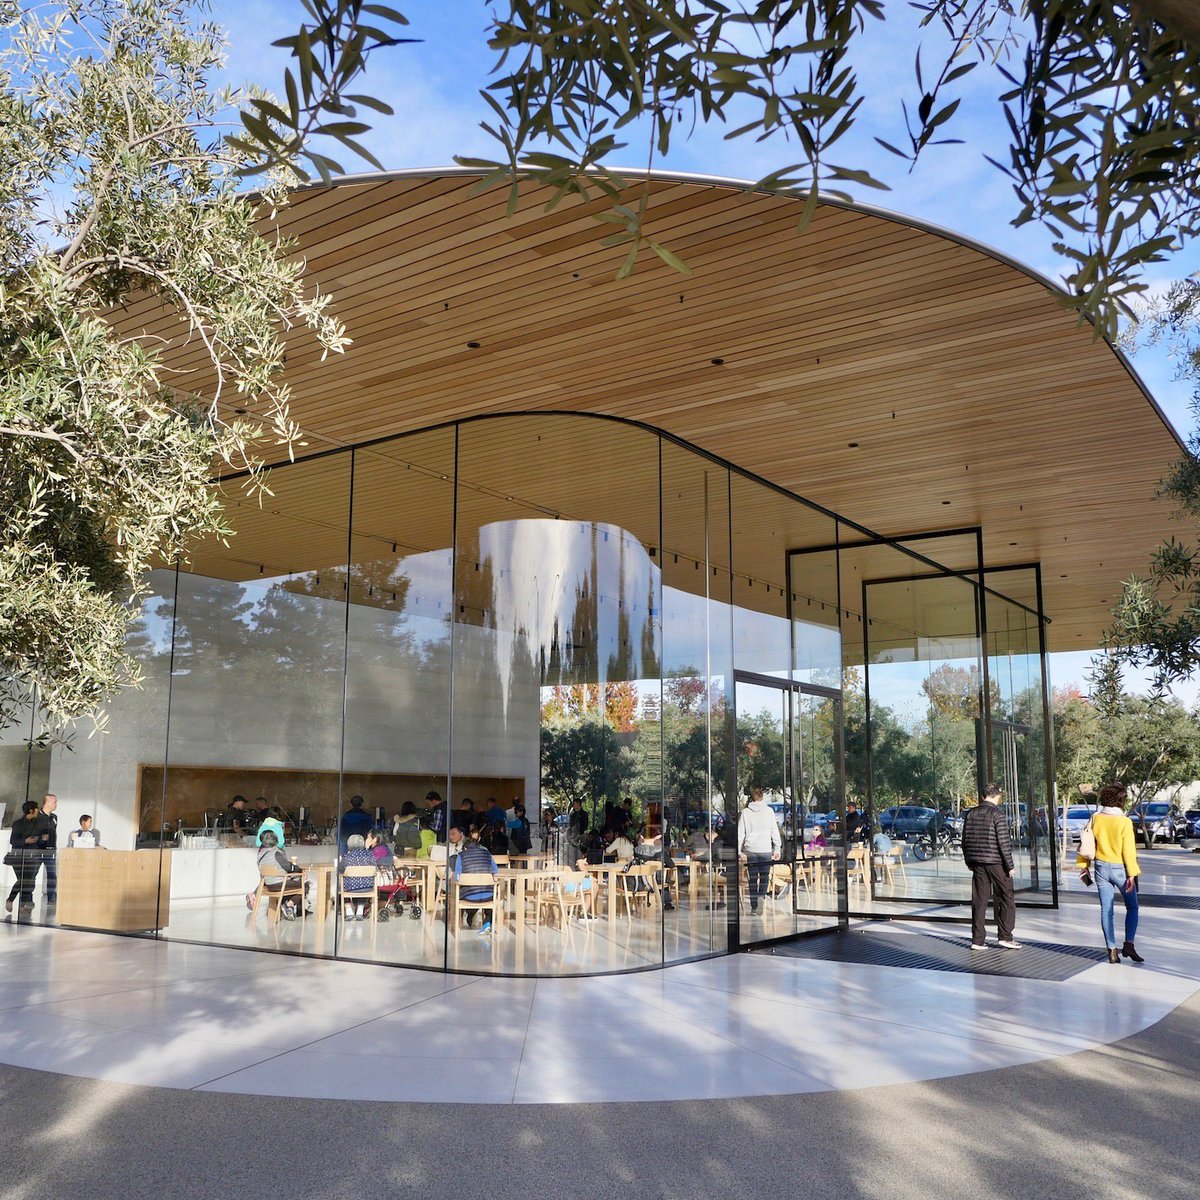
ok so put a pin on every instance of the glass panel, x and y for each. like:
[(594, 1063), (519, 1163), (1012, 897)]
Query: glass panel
[(557, 687), (819, 883), (256, 715), (764, 788), (397, 747), (1018, 728), (697, 697), (99, 775)]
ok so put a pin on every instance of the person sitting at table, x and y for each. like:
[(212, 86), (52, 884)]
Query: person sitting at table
[(702, 844), (381, 852), (270, 855), (494, 836), (817, 841), (86, 837), (620, 849), (474, 858), (650, 849), (357, 855)]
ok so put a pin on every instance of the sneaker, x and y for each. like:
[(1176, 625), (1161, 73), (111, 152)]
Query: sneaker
[(360, 913), (1011, 944), (754, 906), (979, 945), (288, 910), (250, 898)]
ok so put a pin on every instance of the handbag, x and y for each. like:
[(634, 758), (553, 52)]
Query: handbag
[(14, 858), (1087, 841)]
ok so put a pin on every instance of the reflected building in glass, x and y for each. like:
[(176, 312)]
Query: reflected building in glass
[(538, 594)]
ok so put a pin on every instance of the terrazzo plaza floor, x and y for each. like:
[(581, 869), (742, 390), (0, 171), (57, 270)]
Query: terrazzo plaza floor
[(202, 1017)]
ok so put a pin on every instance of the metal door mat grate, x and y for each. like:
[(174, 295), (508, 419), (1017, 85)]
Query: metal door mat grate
[(935, 952), (1145, 900)]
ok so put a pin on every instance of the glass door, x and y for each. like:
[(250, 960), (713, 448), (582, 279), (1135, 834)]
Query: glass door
[(788, 765), (1012, 747)]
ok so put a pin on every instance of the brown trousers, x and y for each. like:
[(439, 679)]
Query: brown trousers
[(991, 881)]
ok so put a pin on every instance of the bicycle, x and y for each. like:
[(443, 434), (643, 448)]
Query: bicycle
[(931, 845)]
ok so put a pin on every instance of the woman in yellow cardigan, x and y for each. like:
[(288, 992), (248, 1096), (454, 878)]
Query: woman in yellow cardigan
[(1116, 870)]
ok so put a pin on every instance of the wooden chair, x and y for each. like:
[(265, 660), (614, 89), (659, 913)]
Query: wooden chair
[(469, 881), (571, 901), (638, 885), (892, 859), (710, 883), (290, 887), (366, 894), (545, 898)]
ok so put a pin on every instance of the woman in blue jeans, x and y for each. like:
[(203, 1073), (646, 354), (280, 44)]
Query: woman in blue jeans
[(1115, 869)]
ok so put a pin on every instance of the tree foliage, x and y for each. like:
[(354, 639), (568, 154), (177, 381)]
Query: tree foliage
[(120, 188), (1101, 103), (1156, 620), (585, 761)]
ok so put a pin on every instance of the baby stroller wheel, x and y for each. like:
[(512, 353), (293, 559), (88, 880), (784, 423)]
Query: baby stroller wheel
[(383, 914), (415, 912)]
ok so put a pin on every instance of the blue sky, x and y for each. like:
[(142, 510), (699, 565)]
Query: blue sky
[(434, 88)]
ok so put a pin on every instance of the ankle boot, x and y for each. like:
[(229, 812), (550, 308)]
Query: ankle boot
[(1114, 956), (1130, 951)]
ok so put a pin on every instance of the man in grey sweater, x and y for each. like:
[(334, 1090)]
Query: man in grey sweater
[(987, 849)]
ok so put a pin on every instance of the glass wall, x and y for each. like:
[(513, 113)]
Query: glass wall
[(494, 697)]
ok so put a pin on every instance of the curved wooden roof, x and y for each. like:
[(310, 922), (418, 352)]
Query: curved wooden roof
[(893, 373)]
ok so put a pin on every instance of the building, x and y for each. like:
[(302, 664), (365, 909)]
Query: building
[(810, 518)]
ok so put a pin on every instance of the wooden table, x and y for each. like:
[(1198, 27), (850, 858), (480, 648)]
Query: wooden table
[(517, 882), (322, 876), (609, 871)]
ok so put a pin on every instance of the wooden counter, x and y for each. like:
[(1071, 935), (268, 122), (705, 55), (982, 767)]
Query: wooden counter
[(120, 890)]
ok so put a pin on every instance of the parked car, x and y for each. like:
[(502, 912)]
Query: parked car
[(1160, 820), (1075, 818), (1191, 823), (698, 819), (906, 820)]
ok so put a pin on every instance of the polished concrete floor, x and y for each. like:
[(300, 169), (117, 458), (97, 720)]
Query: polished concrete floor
[(173, 1015)]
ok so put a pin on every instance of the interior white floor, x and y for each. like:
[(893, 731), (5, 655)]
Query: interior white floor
[(188, 1016)]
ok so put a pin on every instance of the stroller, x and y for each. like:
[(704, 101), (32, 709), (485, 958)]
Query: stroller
[(394, 894)]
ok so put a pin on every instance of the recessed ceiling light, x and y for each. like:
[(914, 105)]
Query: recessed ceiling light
[(852, 445), (472, 345), (241, 412), (945, 501), (717, 362)]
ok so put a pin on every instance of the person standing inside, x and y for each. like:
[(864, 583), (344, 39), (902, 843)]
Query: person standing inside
[(356, 820), (1116, 870), (27, 841), (759, 843), (987, 849), (435, 816), (50, 848)]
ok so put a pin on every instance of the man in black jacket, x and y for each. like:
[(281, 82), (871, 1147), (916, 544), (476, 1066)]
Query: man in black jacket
[(987, 849)]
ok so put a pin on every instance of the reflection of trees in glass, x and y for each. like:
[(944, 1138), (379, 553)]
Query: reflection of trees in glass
[(615, 703), (585, 761)]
